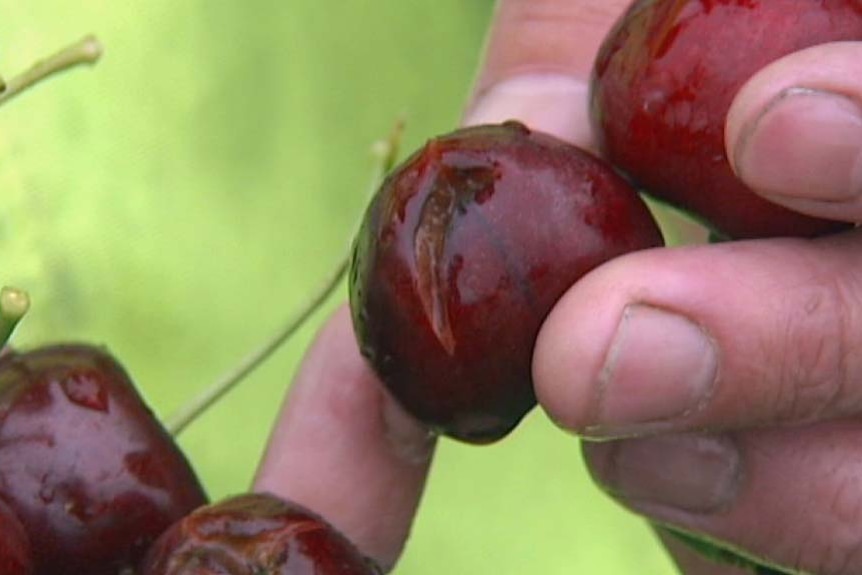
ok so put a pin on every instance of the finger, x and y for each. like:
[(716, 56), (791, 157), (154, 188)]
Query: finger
[(342, 448), (787, 497), (707, 337), (794, 131), (538, 62), (691, 562)]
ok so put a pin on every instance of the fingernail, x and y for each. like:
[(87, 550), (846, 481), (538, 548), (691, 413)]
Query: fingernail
[(806, 144), (660, 367), (552, 103), (691, 473), (411, 441)]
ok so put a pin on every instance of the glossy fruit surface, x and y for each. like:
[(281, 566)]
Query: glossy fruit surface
[(664, 80), (254, 534), (462, 254), (16, 556), (91, 474)]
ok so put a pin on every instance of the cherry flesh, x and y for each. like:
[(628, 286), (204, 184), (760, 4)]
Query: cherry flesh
[(664, 80), (254, 534), (462, 254), (87, 468), (15, 554)]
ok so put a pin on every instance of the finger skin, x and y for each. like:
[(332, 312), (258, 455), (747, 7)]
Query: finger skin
[(342, 448), (783, 317), (813, 153), (690, 562), (537, 65), (799, 504), (530, 36)]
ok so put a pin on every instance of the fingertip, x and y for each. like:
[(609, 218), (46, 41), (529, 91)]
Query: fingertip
[(572, 345), (794, 131), (552, 103), (537, 64)]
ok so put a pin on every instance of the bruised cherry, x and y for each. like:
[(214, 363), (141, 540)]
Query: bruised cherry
[(16, 556), (84, 464), (462, 253), (662, 85), (254, 534)]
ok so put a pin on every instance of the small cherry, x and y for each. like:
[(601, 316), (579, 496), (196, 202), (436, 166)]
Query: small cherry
[(85, 465), (255, 534), (463, 252)]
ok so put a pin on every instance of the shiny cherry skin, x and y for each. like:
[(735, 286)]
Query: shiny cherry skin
[(662, 85), (254, 534), (463, 252), (87, 468), (16, 556)]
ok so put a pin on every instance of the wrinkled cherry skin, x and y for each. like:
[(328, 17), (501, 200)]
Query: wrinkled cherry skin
[(462, 254), (90, 472), (16, 556), (664, 80), (254, 534)]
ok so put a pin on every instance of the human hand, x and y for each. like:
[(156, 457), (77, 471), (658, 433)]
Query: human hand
[(746, 340), (767, 326)]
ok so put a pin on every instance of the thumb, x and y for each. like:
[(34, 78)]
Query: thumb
[(794, 131)]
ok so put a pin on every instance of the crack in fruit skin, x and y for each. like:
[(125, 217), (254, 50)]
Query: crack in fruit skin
[(432, 278), (254, 534), (460, 257), (662, 85), (451, 193), (84, 464)]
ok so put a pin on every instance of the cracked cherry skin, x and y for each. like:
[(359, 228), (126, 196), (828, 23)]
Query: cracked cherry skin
[(462, 254), (16, 557), (662, 85), (254, 534), (89, 471)]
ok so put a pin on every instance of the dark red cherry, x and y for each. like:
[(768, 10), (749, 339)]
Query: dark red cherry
[(254, 534), (84, 464), (664, 80), (463, 252), (16, 557)]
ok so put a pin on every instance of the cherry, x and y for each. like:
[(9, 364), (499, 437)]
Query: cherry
[(16, 557), (87, 468), (664, 80), (461, 255), (254, 534)]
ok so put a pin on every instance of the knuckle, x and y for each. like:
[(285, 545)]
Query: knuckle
[(813, 352), (841, 552)]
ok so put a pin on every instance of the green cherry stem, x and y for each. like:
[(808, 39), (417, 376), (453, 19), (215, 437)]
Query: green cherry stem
[(86, 51), (385, 154), (14, 303)]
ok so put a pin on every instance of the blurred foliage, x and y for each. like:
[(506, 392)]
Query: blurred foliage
[(180, 200)]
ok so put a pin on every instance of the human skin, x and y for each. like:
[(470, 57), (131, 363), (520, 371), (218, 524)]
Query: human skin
[(746, 339)]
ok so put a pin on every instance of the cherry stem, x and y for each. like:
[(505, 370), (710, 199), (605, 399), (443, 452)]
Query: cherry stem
[(385, 153), (86, 51), (14, 304)]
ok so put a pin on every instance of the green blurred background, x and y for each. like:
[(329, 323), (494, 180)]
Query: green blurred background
[(181, 199)]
